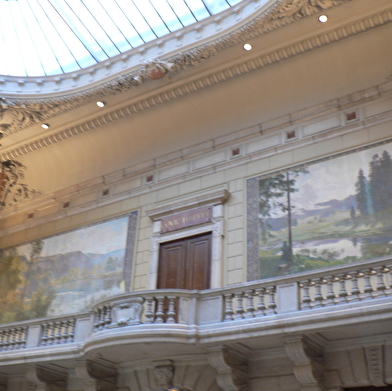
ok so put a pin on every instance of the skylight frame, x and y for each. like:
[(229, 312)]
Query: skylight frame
[(64, 36)]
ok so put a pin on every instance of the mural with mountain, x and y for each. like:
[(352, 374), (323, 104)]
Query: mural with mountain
[(63, 274), (332, 212)]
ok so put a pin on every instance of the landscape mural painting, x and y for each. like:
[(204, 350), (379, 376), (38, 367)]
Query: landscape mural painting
[(330, 212), (66, 273)]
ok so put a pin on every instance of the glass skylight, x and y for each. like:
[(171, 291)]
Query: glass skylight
[(51, 37)]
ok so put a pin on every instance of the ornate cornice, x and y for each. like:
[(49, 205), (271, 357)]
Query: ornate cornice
[(18, 113), (265, 59)]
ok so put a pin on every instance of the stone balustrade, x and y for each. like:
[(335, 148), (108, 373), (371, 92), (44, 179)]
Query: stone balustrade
[(352, 285)]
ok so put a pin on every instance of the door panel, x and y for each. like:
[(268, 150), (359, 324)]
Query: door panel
[(185, 263)]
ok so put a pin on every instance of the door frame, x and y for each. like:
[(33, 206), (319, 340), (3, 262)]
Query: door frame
[(216, 227)]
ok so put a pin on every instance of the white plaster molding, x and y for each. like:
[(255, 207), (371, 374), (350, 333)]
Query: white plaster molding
[(358, 100), (284, 13)]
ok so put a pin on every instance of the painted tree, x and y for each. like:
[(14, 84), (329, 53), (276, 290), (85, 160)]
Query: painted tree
[(363, 195), (380, 181), (275, 192)]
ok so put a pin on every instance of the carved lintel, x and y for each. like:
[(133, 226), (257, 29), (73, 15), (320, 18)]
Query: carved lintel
[(308, 362), (96, 375), (375, 365), (232, 368)]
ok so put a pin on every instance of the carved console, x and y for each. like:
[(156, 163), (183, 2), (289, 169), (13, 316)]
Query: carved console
[(45, 379), (307, 356), (231, 366), (97, 375)]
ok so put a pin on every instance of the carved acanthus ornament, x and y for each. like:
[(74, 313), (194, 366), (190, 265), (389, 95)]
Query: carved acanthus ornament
[(22, 114), (12, 191)]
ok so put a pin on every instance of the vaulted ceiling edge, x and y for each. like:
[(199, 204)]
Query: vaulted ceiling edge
[(306, 45), (17, 114)]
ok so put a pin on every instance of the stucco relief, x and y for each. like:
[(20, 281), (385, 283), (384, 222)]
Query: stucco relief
[(17, 114)]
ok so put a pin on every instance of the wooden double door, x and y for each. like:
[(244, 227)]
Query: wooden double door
[(185, 263)]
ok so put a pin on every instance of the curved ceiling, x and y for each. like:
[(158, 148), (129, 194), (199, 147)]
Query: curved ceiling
[(52, 37)]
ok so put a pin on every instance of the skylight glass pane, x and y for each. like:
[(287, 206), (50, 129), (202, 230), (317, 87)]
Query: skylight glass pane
[(92, 29), (216, 6), (13, 60), (65, 58), (167, 14), (182, 11), (137, 20), (123, 23), (107, 26), (45, 53), (152, 18), (28, 50), (198, 9), (70, 31)]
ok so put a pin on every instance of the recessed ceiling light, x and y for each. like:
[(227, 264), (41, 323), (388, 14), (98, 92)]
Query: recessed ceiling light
[(101, 104), (45, 126), (323, 18), (248, 46)]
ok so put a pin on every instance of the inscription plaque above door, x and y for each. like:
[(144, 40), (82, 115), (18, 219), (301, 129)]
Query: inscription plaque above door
[(186, 219)]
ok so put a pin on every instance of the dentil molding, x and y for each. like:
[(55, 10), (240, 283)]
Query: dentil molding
[(18, 113)]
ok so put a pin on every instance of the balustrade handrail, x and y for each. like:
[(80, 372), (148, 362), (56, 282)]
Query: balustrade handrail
[(302, 276)]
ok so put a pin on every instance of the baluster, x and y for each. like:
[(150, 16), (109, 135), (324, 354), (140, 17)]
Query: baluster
[(66, 325), (44, 338), (381, 287), (24, 337), (59, 328), (250, 309), (240, 305), (228, 307), (330, 294), (171, 313), (71, 334), (343, 291), (159, 314), (318, 297), (18, 337), (103, 317), (355, 292), (368, 290), (150, 309), (7, 340), (306, 297), (272, 304), (52, 336), (1, 340), (108, 319), (12, 339), (98, 315), (260, 306)]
